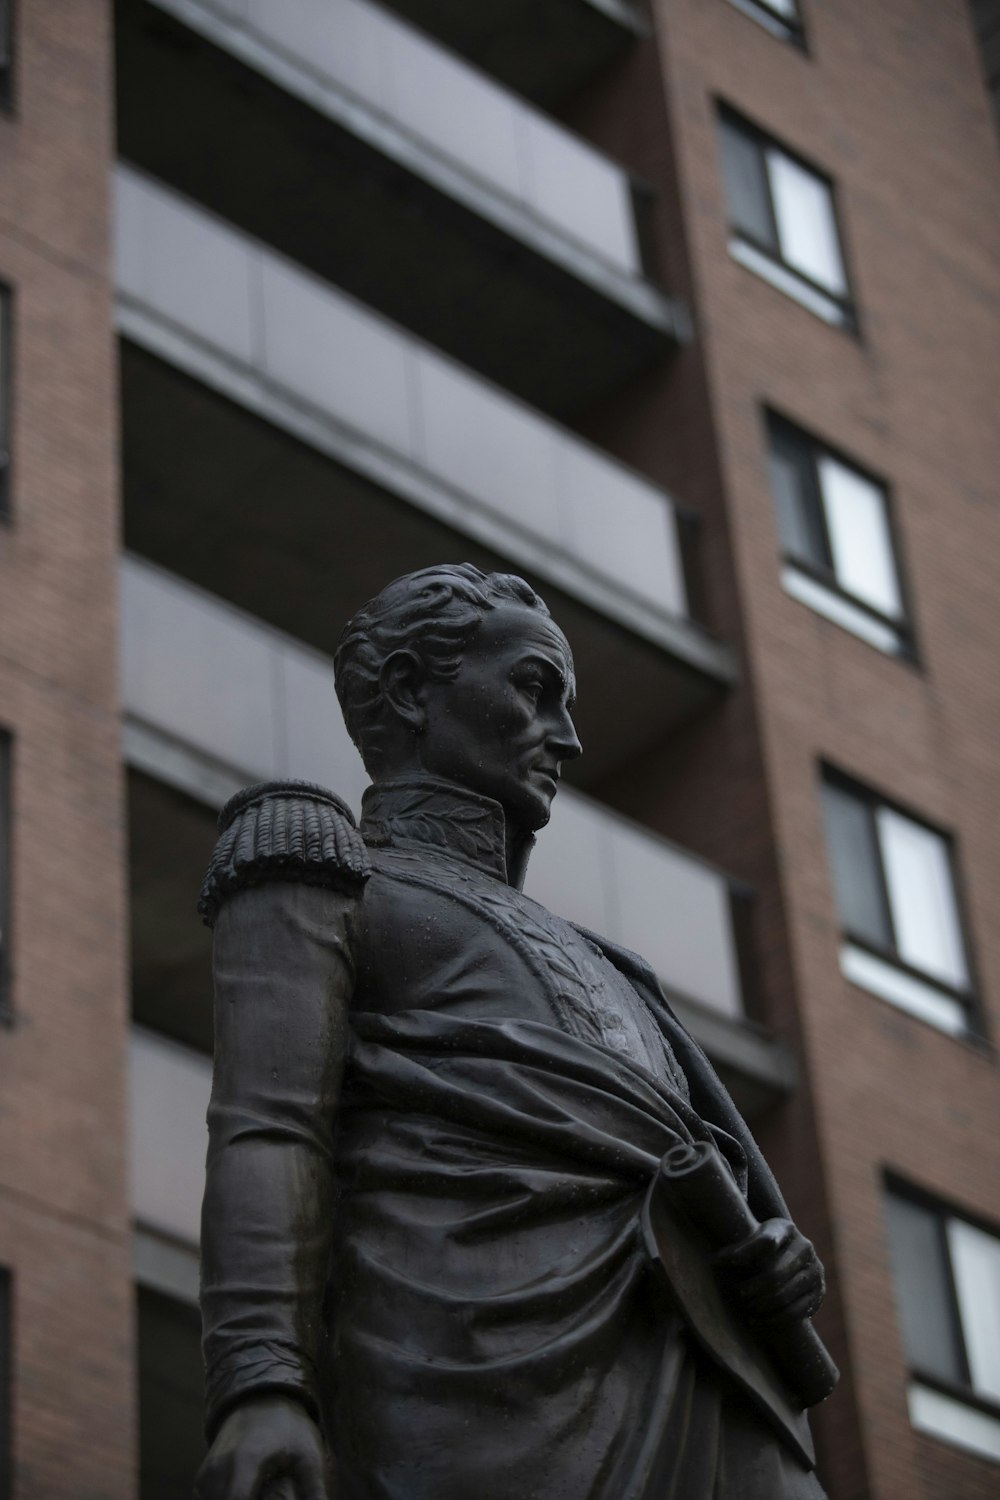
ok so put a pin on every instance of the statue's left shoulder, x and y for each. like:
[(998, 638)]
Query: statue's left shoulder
[(284, 831)]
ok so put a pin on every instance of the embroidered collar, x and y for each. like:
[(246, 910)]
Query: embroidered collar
[(424, 812)]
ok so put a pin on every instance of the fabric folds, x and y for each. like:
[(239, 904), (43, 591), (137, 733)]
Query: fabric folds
[(489, 1255)]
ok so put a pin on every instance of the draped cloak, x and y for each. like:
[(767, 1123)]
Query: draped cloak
[(491, 1325)]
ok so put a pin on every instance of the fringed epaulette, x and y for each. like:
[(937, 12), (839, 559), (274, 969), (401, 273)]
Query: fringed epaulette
[(284, 830)]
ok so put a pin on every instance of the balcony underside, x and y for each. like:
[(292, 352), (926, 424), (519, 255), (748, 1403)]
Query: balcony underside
[(231, 503), (543, 49), (375, 213)]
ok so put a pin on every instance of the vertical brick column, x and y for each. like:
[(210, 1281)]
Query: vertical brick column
[(63, 1170)]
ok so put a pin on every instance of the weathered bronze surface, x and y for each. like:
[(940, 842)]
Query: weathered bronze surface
[(481, 1222)]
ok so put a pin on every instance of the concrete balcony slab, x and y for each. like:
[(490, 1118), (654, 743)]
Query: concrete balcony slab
[(278, 426), (397, 173)]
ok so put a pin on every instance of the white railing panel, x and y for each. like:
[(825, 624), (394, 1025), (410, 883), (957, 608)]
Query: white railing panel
[(488, 447), (331, 353), (188, 265), (569, 870), (195, 670), (675, 911), (589, 196), (293, 335), (317, 745), (170, 1089), (437, 99), (614, 516)]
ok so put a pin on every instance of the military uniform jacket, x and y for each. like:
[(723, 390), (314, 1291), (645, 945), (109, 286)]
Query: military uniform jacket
[(436, 1111)]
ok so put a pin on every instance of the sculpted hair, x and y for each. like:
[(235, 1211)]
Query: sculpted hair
[(433, 613)]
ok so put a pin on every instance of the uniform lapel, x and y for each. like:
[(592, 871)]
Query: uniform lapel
[(709, 1095)]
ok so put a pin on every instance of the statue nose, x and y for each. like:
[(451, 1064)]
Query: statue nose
[(566, 742)]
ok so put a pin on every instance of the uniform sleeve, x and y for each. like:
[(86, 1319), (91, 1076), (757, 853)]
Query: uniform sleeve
[(283, 982)]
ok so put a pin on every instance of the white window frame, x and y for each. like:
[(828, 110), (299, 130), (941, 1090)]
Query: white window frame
[(782, 21), (770, 259), (882, 969), (818, 582), (958, 1412)]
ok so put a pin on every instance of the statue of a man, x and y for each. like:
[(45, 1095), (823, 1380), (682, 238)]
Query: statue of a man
[(436, 1115)]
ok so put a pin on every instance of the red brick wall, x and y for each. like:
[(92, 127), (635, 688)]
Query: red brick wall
[(63, 1188)]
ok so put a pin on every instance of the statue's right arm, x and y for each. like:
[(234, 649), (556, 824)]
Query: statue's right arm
[(284, 977)]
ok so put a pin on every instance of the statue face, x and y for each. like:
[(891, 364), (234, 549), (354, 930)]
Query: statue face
[(503, 726)]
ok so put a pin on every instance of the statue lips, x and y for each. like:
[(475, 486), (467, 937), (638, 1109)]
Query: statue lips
[(550, 774)]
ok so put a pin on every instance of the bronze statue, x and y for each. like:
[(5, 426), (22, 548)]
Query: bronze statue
[(480, 1223)]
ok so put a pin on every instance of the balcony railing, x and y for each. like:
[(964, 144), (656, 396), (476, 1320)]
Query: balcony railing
[(349, 52), (169, 1093), (546, 49), (251, 699), (363, 150), (217, 305)]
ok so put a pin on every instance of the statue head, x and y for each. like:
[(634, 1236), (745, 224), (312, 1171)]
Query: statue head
[(462, 675)]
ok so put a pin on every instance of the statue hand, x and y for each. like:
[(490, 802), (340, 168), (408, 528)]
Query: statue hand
[(268, 1448), (775, 1273)]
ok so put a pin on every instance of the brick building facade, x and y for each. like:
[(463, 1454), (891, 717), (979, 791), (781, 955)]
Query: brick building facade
[(691, 315)]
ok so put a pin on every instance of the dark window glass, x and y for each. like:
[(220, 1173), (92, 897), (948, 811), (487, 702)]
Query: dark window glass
[(5, 1385), (923, 1290), (6, 46), (5, 379), (797, 501), (746, 186), (987, 18), (171, 1397), (853, 846), (5, 870)]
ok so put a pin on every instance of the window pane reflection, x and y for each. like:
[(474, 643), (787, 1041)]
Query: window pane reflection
[(806, 225), (976, 1258), (918, 875), (859, 536)]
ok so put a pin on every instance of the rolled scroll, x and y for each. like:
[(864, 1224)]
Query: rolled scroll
[(701, 1182), (692, 1210)]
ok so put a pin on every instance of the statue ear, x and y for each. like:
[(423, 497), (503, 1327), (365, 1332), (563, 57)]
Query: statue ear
[(401, 683)]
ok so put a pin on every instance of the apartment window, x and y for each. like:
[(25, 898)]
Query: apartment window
[(947, 1277), (838, 549), (780, 17), (5, 871), (5, 1384), (6, 52), (895, 886), (5, 322), (783, 223)]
